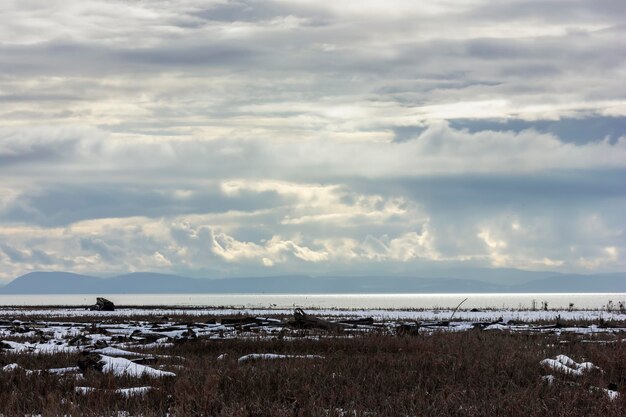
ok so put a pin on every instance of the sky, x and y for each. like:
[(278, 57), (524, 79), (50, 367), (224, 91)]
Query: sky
[(242, 138)]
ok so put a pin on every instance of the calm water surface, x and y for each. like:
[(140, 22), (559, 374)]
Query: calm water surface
[(343, 301)]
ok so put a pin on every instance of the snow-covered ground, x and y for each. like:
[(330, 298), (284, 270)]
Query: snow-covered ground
[(377, 314), (123, 366), (273, 356), (121, 342), (117, 341), (564, 365), (58, 333)]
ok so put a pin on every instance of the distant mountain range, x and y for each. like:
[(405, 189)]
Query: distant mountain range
[(154, 283)]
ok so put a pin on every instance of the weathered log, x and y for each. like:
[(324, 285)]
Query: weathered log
[(484, 324), (188, 334), (90, 361), (408, 330), (148, 360), (547, 327), (79, 340), (102, 304), (444, 323), (366, 321), (306, 321), (249, 321), (21, 329), (239, 320), (93, 329), (148, 337), (100, 344)]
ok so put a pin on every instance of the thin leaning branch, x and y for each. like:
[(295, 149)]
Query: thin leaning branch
[(457, 307)]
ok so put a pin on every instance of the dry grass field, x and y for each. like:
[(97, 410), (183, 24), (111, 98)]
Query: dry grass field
[(375, 373)]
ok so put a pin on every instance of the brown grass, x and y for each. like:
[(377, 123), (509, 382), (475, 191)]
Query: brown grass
[(471, 373)]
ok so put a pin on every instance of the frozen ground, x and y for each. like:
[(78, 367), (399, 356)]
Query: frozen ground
[(377, 314), (121, 344), (111, 333)]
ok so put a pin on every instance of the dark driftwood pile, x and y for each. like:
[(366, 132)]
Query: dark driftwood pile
[(102, 304), (302, 320)]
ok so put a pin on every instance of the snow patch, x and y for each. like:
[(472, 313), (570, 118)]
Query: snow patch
[(126, 392), (44, 348), (11, 367), (568, 366), (62, 371), (121, 366), (613, 395), (111, 351), (272, 356)]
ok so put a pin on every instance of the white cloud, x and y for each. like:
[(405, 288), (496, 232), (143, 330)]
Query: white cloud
[(439, 149), (222, 137), (403, 248)]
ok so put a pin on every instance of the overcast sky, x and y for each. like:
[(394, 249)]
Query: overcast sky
[(229, 138)]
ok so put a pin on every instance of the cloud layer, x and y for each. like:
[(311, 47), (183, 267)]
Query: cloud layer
[(251, 138)]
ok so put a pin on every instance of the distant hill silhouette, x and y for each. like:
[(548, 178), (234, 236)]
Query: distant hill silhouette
[(154, 283), (53, 283)]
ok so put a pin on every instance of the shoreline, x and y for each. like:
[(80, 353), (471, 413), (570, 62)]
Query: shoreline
[(527, 316), (400, 302)]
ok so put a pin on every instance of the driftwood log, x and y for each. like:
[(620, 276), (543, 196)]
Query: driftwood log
[(444, 323), (248, 322), (366, 321), (408, 329), (80, 340), (303, 320), (90, 361), (102, 304), (238, 320), (484, 324), (100, 344), (147, 337), (148, 360)]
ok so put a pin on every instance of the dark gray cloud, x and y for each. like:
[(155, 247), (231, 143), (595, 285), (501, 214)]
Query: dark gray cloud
[(62, 205), (107, 252), (34, 256), (493, 192), (40, 145), (82, 59), (13, 254)]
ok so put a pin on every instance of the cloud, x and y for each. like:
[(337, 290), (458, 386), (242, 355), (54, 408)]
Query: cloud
[(344, 228), (221, 58), (59, 204), (568, 130), (269, 253), (319, 205), (35, 145), (439, 149), (230, 137)]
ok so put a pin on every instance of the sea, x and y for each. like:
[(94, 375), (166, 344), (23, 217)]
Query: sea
[(595, 301)]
